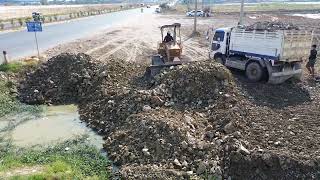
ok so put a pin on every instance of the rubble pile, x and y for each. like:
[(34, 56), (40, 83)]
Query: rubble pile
[(192, 121), (185, 85), (164, 138), (196, 84), (62, 79), (271, 26)]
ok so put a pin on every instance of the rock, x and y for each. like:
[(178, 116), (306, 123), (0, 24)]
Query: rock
[(277, 143), (146, 152), (190, 173), (185, 163), (229, 128), (177, 163), (146, 108), (184, 145), (156, 100), (243, 150), (201, 168)]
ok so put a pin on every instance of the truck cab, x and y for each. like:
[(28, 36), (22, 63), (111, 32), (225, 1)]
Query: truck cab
[(219, 43)]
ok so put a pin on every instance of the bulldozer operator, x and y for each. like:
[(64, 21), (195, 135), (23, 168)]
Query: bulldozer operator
[(168, 38)]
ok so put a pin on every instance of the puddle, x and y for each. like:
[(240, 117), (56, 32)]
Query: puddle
[(56, 124)]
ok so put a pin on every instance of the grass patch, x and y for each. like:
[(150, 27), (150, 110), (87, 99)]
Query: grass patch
[(11, 67), (9, 104), (81, 161), (16, 67)]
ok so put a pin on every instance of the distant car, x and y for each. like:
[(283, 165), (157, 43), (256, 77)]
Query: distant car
[(148, 6), (192, 13), (158, 10)]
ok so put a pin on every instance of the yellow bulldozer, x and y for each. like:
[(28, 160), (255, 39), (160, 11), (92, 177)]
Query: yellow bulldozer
[(169, 50)]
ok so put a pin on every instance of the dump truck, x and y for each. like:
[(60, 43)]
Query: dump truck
[(275, 55)]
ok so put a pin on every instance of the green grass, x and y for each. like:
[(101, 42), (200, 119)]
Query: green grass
[(16, 67), (82, 161), (11, 67), (9, 104)]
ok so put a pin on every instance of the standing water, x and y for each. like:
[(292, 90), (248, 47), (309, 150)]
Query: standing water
[(56, 124)]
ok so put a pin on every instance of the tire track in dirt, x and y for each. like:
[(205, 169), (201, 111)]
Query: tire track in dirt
[(132, 54), (112, 51), (93, 50)]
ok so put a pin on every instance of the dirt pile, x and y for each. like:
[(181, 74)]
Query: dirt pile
[(191, 121), (152, 126), (174, 88), (167, 139), (271, 26), (62, 79), (195, 85)]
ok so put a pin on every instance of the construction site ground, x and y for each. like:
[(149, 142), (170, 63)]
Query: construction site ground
[(254, 130)]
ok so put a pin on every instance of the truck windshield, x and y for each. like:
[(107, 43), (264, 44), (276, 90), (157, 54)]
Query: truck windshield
[(218, 36)]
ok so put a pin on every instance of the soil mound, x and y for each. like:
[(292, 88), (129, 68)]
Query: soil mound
[(192, 121), (271, 26), (61, 80), (196, 84), (166, 138)]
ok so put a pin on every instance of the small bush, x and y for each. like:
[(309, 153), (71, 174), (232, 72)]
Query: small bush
[(20, 20)]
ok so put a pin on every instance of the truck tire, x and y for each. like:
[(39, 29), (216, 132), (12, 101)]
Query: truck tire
[(219, 59), (254, 72)]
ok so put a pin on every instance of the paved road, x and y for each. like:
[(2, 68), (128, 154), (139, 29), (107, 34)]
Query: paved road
[(22, 43)]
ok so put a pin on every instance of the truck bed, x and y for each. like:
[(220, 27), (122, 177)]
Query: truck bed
[(281, 45)]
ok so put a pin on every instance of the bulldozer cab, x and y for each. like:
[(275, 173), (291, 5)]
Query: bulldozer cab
[(170, 50), (173, 29)]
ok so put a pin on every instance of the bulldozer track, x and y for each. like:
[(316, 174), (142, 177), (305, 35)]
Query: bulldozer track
[(91, 51), (133, 53), (117, 49)]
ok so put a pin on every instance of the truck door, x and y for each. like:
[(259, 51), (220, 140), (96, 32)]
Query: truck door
[(227, 44), (218, 43)]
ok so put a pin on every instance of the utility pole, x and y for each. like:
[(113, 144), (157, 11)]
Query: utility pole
[(241, 13), (195, 16)]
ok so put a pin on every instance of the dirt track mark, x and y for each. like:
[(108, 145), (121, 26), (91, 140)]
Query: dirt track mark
[(117, 49), (91, 51)]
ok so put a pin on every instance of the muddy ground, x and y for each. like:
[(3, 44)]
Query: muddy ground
[(251, 131)]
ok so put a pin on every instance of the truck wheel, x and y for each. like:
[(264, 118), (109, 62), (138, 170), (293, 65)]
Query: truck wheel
[(254, 72), (219, 59)]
